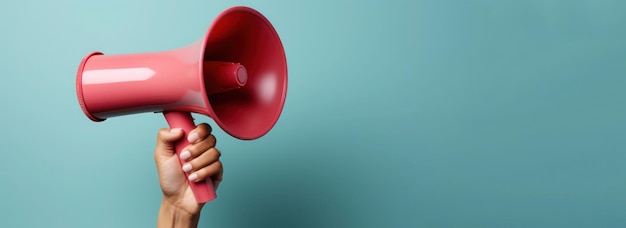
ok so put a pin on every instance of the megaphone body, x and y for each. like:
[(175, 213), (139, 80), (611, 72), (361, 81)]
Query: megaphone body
[(236, 74)]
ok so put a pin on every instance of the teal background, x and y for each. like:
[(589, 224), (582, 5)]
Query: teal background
[(441, 113)]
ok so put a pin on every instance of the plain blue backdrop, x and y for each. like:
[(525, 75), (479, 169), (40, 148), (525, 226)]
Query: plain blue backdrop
[(440, 113)]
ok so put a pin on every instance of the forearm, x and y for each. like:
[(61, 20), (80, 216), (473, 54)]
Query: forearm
[(172, 217)]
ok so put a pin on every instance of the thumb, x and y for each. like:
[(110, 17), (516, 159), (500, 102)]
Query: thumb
[(165, 141)]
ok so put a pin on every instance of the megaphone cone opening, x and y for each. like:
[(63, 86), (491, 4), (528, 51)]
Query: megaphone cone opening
[(242, 35)]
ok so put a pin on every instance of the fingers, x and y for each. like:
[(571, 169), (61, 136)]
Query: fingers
[(194, 150), (166, 138), (201, 140), (204, 166), (213, 171), (205, 159), (200, 133), (201, 157)]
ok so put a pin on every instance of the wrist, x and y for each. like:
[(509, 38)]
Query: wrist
[(172, 216)]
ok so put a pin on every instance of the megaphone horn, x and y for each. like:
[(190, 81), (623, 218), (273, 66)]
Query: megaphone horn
[(236, 74)]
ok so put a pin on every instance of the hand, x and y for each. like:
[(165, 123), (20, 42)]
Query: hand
[(202, 161)]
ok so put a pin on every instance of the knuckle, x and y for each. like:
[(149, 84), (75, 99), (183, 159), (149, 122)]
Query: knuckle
[(212, 140), (205, 128), (218, 165), (205, 145), (215, 153), (161, 132)]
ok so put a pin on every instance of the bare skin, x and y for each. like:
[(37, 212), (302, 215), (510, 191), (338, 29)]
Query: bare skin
[(178, 205)]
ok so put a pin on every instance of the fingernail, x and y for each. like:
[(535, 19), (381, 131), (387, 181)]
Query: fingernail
[(193, 177), (185, 155), (187, 167), (193, 137), (175, 130)]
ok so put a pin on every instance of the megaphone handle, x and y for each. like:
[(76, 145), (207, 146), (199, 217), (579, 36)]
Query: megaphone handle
[(202, 190)]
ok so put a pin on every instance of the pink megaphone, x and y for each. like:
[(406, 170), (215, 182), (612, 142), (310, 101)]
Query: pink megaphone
[(236, 74)]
